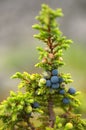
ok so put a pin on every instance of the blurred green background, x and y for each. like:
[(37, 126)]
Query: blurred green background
[(18, 47)]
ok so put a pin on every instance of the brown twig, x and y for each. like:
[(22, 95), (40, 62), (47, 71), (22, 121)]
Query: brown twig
[(51, 112)]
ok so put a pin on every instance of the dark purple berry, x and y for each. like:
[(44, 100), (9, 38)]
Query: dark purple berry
[(54, 79), (48, 83), (35, 104), (62, 91), (72, 91), (54, 86), (60, 80), (54, 72), (66, 100)]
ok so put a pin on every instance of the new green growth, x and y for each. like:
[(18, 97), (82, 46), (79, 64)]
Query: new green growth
[(47, 103)]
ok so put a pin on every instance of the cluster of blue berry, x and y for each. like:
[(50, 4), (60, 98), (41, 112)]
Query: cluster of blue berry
[(71, 91), (53, 80)]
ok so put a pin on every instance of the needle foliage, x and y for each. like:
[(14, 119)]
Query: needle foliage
[(47, 97)]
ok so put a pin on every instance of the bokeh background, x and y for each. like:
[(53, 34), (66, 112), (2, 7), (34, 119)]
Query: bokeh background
[(18, 47)]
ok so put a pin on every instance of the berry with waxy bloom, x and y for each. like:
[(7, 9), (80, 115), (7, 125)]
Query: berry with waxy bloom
[(48, 83), (66, 100), (72, 90), (60, 80), (62, 92), (54, 79), (56, 85), (55, 72), (35, 105)]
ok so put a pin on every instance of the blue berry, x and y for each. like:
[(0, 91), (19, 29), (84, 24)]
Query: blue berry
[(60, 80), (54, 86), (66, 100), (35, 104), (55, 72), (54, 79), (62, 91), (48, 83), (72, 90)]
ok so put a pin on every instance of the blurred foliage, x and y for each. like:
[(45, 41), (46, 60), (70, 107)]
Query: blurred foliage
[(23, 59)]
